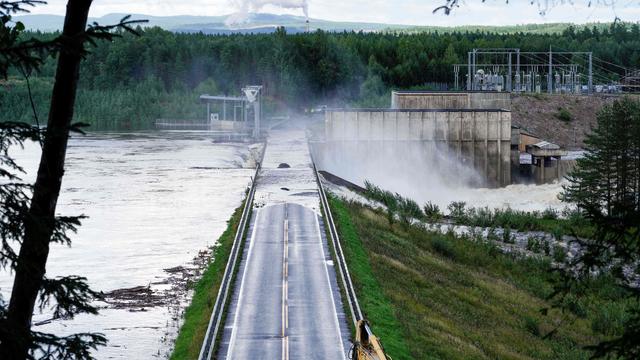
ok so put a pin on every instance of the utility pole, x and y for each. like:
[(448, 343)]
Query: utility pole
[(456, 70), (509, 75), (518, 68), (550, 74), (469, 71), (590, 73), (475, 61)]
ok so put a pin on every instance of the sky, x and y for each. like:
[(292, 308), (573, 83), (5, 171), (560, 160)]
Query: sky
[(409, 12)]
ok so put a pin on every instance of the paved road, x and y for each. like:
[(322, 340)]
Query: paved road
[(285, 305)]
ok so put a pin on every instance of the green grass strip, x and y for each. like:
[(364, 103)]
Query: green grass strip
[(196, 317), (433, 295), (375, 306)]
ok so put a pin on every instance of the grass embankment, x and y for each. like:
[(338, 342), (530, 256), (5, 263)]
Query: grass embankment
[(196, 317), (436, 296)]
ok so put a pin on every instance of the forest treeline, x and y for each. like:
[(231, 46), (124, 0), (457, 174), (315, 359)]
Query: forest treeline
[(130, 82)]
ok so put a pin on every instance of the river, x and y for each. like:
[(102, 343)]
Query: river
[(156, 202)]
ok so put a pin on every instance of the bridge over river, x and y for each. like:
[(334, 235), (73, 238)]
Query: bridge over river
[(285, 301)]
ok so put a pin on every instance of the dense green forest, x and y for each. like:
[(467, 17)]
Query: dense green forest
[(132, 81)]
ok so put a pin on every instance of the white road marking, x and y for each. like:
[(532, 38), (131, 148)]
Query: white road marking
[(333, 304), (244, 276), (285, 289)]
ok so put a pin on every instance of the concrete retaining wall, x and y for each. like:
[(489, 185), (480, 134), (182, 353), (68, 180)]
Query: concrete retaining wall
[(450, 100), (462, 139)]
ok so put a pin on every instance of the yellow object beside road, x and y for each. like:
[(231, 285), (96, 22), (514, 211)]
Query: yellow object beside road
[(367, 346)]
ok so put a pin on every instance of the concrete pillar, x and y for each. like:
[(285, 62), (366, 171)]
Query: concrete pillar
[(377, 123), (350, 126), (390, 131), (428, 126), (415, 126), (403, 126), (365, 132), (256, 119)]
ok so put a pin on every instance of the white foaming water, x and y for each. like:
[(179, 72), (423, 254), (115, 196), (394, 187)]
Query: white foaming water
[(517, 197), (154, 200), (435, 175)]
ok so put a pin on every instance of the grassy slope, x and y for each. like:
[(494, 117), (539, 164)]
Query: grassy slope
[(375, 306), (451, 298), (196, 317)]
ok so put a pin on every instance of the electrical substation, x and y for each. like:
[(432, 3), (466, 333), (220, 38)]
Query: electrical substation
[(551, 72)]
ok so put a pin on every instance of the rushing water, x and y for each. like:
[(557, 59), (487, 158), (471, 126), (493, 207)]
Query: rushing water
[(154, 201)]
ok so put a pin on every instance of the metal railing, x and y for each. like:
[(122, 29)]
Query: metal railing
[(208, 345), (343, 269)]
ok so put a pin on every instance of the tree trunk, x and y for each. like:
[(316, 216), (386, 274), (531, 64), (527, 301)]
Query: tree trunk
[(34, 251)]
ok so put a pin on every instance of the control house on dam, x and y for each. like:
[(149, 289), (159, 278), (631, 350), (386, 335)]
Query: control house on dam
[(460, 138)]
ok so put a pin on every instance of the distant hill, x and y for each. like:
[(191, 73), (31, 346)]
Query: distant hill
[(267, 23)]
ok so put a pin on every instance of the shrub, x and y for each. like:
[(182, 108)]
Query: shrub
[(391, 213), (575, 305), (546, 247), (575, 217), (373, 192), (564, 115), (432, 212), (456, 211), (557, 233), (610, 319), (386, 198), (550, 214), (559, 253), (480, 217), (532, 325), (534, 244), (506, 236), (408, 209), (443, 247)]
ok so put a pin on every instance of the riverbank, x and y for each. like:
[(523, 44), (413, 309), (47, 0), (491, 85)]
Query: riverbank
[(440, 296)]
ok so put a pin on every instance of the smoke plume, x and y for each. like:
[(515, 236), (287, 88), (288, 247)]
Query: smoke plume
[(246, 6)]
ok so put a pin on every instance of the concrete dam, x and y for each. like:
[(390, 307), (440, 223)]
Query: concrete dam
[(419, 147), (477, 100)]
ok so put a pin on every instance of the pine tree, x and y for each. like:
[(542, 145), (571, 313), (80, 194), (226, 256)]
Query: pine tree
[(27, 217), (605, 187)]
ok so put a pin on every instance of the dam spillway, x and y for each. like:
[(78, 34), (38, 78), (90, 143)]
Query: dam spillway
[(462, 146)]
